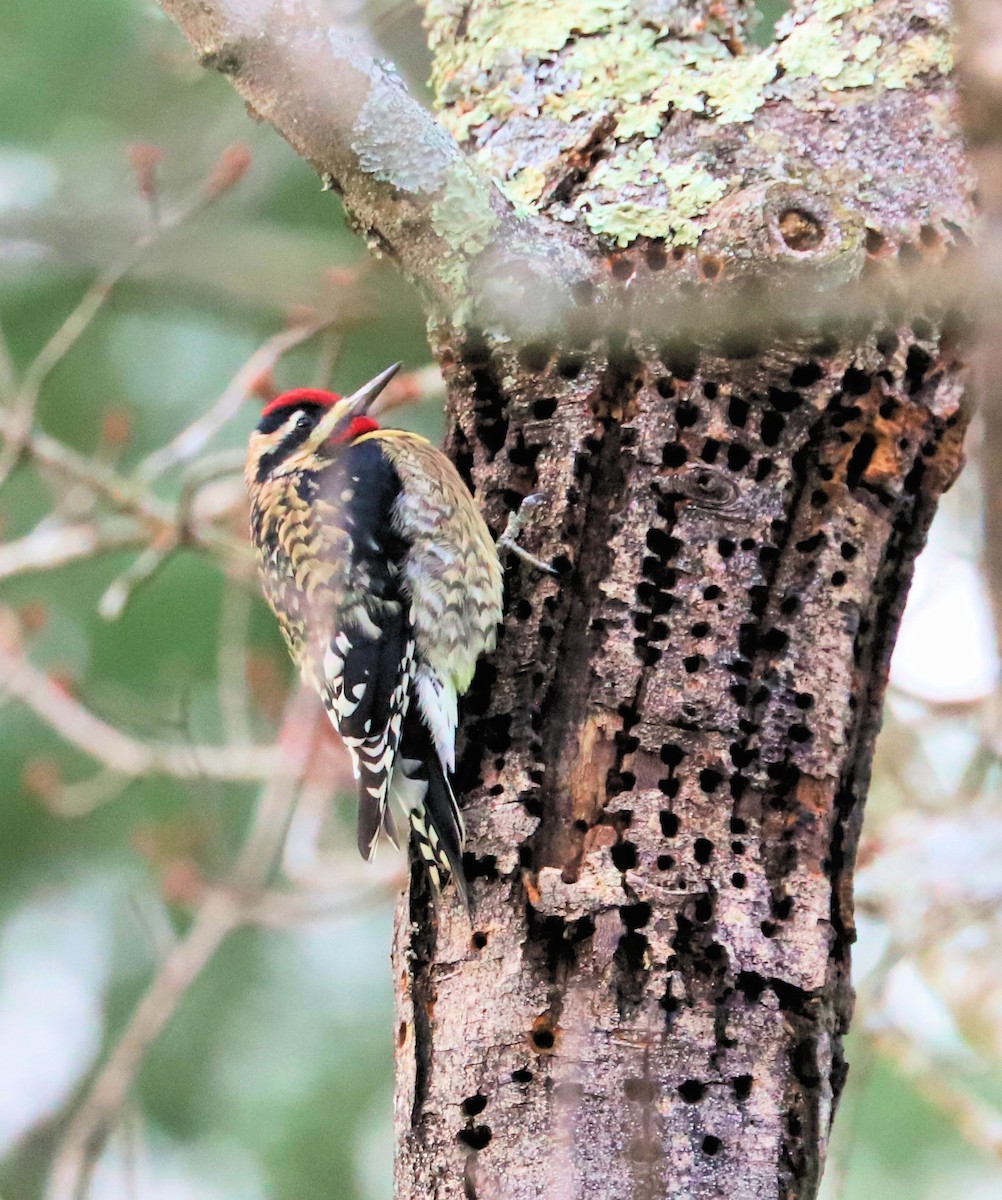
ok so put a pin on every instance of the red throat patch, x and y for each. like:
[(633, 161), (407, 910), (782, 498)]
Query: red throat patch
[(359, 426), (301, 396)]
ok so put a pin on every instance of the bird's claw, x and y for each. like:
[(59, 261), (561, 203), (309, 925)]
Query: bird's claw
[(508, 541)]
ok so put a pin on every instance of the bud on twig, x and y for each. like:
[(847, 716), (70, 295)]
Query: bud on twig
[(263, 387), (33, 616), (145, 158), (233, 165)]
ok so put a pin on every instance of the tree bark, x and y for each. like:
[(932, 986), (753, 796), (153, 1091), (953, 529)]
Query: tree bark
[(664, 764)]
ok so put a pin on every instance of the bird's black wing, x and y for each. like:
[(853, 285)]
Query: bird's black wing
[(368, 666)]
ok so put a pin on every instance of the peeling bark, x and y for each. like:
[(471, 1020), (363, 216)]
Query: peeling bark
[(664, 764)]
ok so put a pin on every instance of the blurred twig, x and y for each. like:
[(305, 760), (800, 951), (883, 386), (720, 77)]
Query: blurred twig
[(188, 528), (231, 663), (243, 898), (21, 416), (977, 1122), (222, 910), (196, 437), (51, 544), (142, 568), (78, 799), (54, 455), (109, 745), (7, 384), (126, 495), (330, 348), (89, 1128)]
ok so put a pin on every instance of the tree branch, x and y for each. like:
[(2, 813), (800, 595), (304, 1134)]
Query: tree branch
[(193, 440), (55, 543), (116, 750), (405, 185)]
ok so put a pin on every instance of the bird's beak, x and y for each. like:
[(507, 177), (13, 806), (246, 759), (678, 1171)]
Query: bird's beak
[(355, 405)]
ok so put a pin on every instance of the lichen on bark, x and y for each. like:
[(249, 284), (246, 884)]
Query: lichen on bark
[(598, 68)]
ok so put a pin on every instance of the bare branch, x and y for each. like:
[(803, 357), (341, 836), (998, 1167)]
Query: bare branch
[(53, 544), (978, 1122), (232, 661), (126, 495), (7, 384), (224, 908), (330, 348), (87, 1132), (142, 568), (21, 417), (67, 463), (78, 799)]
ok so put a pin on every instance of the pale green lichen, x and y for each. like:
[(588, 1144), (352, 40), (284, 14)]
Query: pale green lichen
[(608, 61), (731, 90), (828, 10), (838, 54), (608, 65), (463, 218), (689, 190), (526, 187), (932, 52), (462, 214), (539, 29), (849, 53), (625, 221), (453, 272), (642, 79), (813, 50)]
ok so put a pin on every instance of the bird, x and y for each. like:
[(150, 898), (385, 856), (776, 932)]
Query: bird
[(387, 587)]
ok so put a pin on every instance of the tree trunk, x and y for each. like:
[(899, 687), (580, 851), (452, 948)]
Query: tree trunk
[(666, 760), (689, 319)]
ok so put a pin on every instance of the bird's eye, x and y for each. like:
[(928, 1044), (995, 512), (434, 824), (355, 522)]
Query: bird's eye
[(303, 421)]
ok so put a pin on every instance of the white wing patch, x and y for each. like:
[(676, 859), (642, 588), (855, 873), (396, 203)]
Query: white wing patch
[(438, 705)]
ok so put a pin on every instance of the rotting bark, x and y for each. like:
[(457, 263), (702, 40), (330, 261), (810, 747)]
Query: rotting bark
[(665, 762)]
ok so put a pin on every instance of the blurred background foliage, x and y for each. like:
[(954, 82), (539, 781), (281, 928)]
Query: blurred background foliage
[(273, 1079)]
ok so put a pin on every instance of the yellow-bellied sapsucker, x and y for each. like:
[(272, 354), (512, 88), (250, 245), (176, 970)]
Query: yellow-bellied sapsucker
[(387, 586)]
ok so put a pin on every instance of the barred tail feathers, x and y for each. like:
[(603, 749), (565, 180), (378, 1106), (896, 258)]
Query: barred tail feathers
[(373, 765), (421, 790)]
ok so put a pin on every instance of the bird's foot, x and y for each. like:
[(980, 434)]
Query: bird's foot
[(508, 541)]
